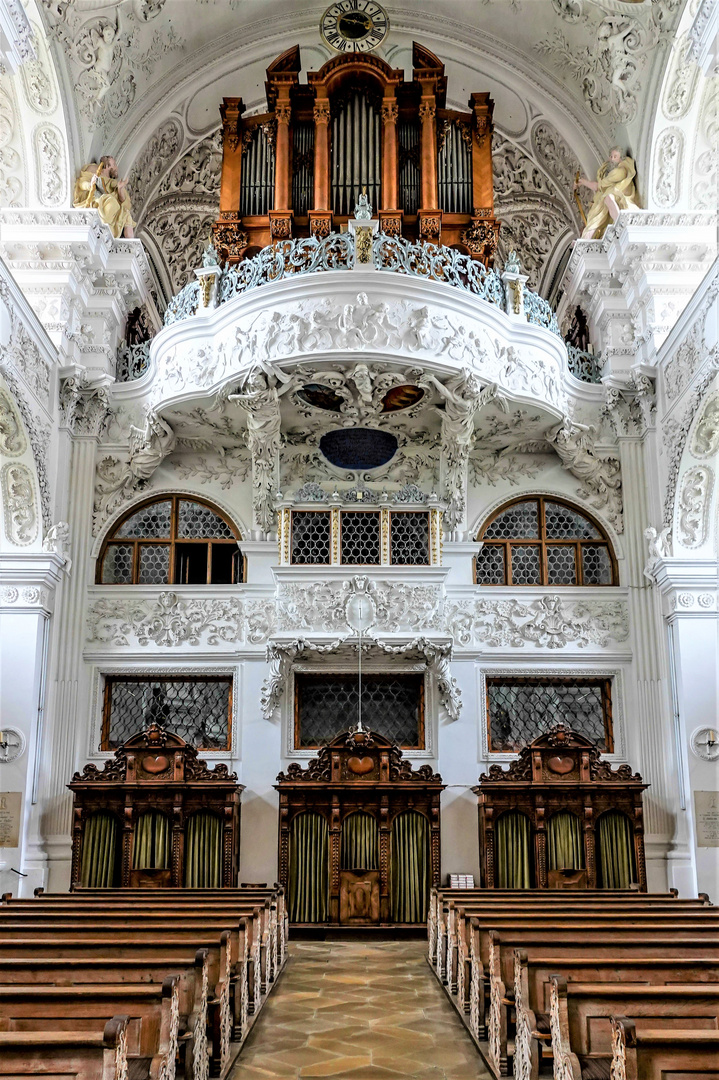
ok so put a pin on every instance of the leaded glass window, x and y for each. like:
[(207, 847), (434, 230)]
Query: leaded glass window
[(360, 537), (172, 541), (542, 541), (311, 533), (519, 710), (409, 538), (198, 709), (327, 704)]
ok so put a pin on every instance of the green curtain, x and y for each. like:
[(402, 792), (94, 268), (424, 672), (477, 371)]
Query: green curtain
[(359, 842), (566, 851), (151, 842), (512, 851), (203, 851), (309, 869), (99, 844), (410, 867), (616, 851)]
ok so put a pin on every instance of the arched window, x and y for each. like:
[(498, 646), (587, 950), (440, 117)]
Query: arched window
[(543, 541), (172, 540)]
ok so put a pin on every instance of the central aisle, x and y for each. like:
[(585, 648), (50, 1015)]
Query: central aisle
[(361, 1010)]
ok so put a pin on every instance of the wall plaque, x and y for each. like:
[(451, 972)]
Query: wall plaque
[(10, 806), (706, 813)]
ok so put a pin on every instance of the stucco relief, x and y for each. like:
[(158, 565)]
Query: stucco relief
[(51, 178), (548, 622), (705, 438), (169, 621), (679, 89), (12, 435), (321, 607), (694, 505), (667, 167), (37, 83), (19, 504)]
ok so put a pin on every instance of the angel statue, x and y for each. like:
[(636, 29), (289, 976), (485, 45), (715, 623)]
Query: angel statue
[(613, 189), (98, 188)]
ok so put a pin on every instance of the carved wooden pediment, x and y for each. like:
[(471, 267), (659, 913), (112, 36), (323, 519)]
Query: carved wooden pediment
[(153, 756), (359, 757), (561, 756)]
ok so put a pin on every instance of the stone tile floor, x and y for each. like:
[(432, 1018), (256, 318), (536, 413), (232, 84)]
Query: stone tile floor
[(361, 1010)]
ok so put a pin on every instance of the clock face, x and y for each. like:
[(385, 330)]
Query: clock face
[(12, 744), (354, 25)]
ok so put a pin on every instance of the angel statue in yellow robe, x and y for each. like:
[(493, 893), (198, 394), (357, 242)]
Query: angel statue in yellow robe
[(98, 188), (613, 191)]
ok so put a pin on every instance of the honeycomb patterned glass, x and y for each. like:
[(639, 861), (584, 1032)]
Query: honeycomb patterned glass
[(117, 567), (490, 565), (518, 522), (409, 538), (392, 705), (154, 564), (561, 564), (149, 523), (596, 565), (526, 564), (563, 523), (521, 710), (360, 537), (198, 522), (310, 537), (198, 710)]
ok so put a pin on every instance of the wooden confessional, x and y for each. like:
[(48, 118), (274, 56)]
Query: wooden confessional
[(359, 839), (155, 816), (560, 817), (299, 168)]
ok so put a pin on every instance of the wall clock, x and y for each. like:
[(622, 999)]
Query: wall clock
[(354, 26), (12, 745)]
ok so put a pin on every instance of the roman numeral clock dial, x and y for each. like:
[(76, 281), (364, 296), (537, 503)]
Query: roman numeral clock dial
[(354, 26)]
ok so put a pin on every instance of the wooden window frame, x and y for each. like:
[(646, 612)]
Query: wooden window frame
[(543, 544), (130, 676), (605, 682), (170, 541), (329, 675)]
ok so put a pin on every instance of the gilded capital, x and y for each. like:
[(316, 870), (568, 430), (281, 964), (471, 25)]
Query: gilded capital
[(321, 112), (389, 112)]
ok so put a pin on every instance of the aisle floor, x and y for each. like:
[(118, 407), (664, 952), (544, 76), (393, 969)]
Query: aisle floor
[(360, 1010)]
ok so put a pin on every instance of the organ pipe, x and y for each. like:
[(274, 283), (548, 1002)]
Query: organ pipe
[(356, 152), (258, 176), (454, 168)]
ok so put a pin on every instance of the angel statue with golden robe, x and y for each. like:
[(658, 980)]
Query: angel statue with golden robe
[(613, 191), (98, 188)]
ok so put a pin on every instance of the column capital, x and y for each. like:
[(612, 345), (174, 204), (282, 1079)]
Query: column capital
[(688, 587), (84, 407), (28, 581), (321, 111)]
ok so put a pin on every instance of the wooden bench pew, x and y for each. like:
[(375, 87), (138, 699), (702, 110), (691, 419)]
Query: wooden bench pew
[(645, 962), (442, 932), (253, 926), (473, 938), (272, 945), (449, 946), (663, 1053), (224, 982), (492, 977), (579, 1019), (81, 1055)]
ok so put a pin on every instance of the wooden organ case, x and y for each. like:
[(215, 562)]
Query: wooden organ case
[(561, 772), (298, 169), (361, 773), (158, 777)]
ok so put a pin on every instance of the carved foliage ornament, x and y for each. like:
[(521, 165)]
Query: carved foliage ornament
[(19, 504), (694, 505), (12, 435), (171, 621)]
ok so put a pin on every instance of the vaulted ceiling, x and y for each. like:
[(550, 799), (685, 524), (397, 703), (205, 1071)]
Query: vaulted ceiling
[(143, 79)]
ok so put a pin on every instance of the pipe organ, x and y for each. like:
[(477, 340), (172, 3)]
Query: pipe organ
[(356, 124)]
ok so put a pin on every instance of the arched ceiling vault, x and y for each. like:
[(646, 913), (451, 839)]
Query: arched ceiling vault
[(143, 79)]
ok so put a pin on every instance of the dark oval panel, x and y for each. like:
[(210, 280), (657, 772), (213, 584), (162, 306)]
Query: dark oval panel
[(321, 397), (401, 397), (358, 448)]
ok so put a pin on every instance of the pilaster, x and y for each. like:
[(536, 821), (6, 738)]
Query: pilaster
[(84, 412)]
